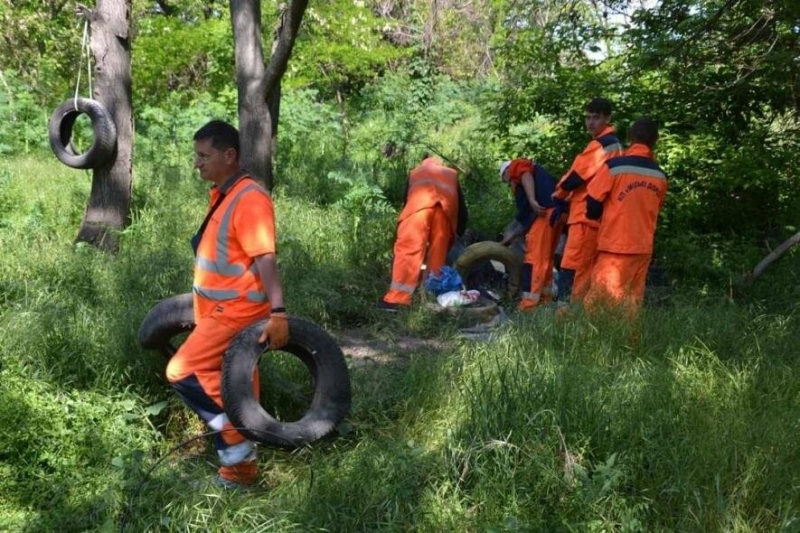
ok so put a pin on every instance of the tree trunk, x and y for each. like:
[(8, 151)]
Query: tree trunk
[(108, 209), (259, 87)]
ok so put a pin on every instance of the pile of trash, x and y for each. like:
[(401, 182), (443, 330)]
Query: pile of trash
[(449, 290), (475, 307)]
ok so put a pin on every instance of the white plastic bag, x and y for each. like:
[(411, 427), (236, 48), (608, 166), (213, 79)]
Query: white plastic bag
[(458, 298)]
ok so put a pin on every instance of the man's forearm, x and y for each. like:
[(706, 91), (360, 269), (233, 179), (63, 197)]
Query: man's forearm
[(530, 189), (267, 266)]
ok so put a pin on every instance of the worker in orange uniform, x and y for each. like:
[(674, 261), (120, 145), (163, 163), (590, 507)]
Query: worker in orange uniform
[(628, 192), (434, 213), (533, 186), (236, 283), (580, 248)]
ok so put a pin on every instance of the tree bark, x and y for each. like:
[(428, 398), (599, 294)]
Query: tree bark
[(258, 85), (108, 209)]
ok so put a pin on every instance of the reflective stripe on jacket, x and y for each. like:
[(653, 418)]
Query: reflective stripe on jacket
[(632, 188), (225, 271), (429, 184)]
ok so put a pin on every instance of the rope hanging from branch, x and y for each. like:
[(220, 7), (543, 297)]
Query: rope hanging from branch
[(87, 52)]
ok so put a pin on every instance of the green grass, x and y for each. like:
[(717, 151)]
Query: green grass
[(550, 427)]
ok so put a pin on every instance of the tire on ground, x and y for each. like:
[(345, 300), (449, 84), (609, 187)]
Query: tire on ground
[(104, 131), (480, 252), (330, 400), (483, 310), (169, 317)]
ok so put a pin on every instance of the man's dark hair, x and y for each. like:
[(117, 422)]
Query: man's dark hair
[(222, 135), (599, 105), (644, 131)]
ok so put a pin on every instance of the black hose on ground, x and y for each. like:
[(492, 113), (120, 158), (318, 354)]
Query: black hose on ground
[(146, 477)]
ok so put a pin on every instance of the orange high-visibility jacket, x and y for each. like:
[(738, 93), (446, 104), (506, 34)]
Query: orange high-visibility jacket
[(632, 190), (584, 167), (429, 184), (226, 280)]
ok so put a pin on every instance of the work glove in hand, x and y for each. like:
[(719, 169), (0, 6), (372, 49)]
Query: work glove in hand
[(276, 331), (559, 208)]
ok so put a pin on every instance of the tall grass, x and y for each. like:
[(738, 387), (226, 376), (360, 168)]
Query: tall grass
[(692, 425)]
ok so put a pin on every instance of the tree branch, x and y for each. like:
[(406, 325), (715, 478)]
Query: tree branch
[(289, 27), (773, 256)]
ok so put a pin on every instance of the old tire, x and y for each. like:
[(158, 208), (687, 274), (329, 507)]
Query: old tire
[(481, 311), (330, 400), (104, 132), (168, 318), (480, 252)]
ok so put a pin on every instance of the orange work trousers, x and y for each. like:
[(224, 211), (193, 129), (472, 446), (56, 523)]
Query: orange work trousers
[(618, 281), (579, 255), (427, 231), (195, 371), (540, 248)]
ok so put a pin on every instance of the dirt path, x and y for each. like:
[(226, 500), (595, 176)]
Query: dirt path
[(363, 347)]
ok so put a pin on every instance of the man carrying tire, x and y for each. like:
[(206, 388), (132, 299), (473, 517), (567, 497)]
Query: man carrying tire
[(434, 213), (533, 187), (236, 283)]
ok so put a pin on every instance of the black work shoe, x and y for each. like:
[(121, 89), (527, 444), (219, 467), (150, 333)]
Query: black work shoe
[(387, 307)]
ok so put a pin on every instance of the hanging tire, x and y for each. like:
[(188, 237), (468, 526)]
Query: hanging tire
[(330, 399), (478, 254), (168, 318), (104, 132)]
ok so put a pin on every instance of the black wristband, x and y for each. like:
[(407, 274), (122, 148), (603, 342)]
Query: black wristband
[(278, 310)]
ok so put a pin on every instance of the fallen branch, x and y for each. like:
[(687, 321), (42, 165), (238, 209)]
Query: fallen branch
[(773, 256)]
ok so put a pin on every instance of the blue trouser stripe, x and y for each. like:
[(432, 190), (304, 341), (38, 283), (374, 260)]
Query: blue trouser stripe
[(565, 280), (192, 393), (526, 276)]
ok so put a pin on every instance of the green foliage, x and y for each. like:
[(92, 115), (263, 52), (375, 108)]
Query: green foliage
[(180, 59), (23, 122), (42, 44), (310, 138), (714, 74), (68, 454), (340, 49), (164, 134), (372, 86), (733, 122)]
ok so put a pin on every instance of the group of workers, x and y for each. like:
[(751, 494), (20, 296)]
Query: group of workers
[(612, 200), (607, 204)]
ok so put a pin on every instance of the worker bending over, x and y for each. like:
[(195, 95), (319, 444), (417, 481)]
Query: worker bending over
[(434, 213), (532, 186)]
